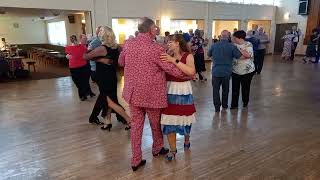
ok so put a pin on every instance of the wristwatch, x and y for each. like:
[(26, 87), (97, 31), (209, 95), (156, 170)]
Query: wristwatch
[(177, 61)]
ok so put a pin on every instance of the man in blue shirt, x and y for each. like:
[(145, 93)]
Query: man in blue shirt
[(95, 42), (255, 44), (222, 53)]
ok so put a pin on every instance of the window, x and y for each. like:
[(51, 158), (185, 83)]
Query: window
[(57, 33), (183, 25), (123, 28)]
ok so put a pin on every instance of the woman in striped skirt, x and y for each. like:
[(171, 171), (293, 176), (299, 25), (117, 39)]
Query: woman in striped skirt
[(180, 113)]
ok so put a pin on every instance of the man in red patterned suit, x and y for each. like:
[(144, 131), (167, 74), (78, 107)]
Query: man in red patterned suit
[(145, 87)]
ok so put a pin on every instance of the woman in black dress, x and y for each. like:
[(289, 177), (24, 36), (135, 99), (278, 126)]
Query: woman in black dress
[(197, 44), (106, 57)]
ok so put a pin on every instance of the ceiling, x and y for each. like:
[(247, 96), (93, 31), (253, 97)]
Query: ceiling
[(44, 14)]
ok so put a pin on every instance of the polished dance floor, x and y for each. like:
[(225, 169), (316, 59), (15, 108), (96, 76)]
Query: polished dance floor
[(44, 133)]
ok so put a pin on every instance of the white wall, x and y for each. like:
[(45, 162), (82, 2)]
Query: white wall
[(104, 10), (28, 32), (50, 4), (291, 7)]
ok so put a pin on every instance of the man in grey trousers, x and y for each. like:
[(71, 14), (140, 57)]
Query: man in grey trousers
[(222, 53)]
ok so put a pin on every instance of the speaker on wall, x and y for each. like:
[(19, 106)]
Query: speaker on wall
[(303, 7), (71, 19)]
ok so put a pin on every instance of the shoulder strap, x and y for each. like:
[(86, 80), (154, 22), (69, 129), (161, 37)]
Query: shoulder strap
[(184, 58)]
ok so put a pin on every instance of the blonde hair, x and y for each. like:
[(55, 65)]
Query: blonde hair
[(106, 35)]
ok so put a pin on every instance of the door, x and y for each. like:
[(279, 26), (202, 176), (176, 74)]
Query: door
[(280, 32)]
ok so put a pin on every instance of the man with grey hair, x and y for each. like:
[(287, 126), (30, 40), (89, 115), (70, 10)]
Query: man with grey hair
[(261, 51), (145, 87), (254, 41), (223, 53)]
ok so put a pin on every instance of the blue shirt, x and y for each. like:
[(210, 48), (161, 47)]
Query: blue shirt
[(222, 54), (92, 45), (255, 42)]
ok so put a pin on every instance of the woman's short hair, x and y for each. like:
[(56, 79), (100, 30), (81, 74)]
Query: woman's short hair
[(73, 39), (107, 37), (240, 34), (197, 32)]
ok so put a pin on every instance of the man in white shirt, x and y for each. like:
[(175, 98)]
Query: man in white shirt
[(297, 33), (3, 44)]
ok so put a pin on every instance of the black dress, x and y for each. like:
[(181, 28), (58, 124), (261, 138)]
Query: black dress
[(198, 53), (106, 75)]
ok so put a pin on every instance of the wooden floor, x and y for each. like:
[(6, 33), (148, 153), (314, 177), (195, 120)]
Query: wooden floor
[(44, 133)]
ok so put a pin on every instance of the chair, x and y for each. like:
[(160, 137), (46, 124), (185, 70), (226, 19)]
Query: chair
[(33, 64)]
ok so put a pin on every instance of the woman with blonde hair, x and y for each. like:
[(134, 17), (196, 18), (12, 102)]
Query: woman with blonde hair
[(106, 57)]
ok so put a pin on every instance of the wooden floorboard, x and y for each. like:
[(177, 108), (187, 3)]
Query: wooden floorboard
[(45, 134)]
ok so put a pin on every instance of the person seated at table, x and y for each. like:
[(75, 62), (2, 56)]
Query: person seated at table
[(4, 45), (4, 66), (79, 67)]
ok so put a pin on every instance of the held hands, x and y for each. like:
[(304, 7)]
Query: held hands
[(167, 58)]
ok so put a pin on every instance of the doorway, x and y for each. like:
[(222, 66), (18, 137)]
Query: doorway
[(219, 25), (280, 32)]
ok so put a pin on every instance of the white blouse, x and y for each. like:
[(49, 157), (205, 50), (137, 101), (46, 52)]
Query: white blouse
[(244, 66)]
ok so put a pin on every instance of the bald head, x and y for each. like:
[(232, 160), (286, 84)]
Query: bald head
[(225, 34)]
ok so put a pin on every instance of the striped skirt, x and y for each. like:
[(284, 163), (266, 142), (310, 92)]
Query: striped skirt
[(180, 113)]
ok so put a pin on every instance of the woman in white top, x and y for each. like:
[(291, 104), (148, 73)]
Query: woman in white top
[(243, 70)]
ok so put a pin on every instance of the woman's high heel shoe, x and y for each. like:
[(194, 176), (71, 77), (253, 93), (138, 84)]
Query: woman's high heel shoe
[(171, 155), (127, 128), (108, 127)]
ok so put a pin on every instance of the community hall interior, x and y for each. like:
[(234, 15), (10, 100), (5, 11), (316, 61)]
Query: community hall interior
[(44, 128)]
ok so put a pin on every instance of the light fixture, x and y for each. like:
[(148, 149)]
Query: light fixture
[(83, 21)]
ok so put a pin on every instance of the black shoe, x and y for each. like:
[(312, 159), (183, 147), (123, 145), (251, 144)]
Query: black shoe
[(108, 127), (225, 107), (127, 128), (142, 163), (245, 105), (83, 98), (95, 121), (92, 94), (163, 151), (234, 107), (217, 109)]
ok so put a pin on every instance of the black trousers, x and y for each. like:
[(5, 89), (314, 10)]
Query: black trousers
[(217, 82), (101, 106), (245, 82), (259, 59), (80, 77), (318, 55), (295, 44), (93, 75)]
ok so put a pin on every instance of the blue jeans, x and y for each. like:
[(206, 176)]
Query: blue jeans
[(217, 82)]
